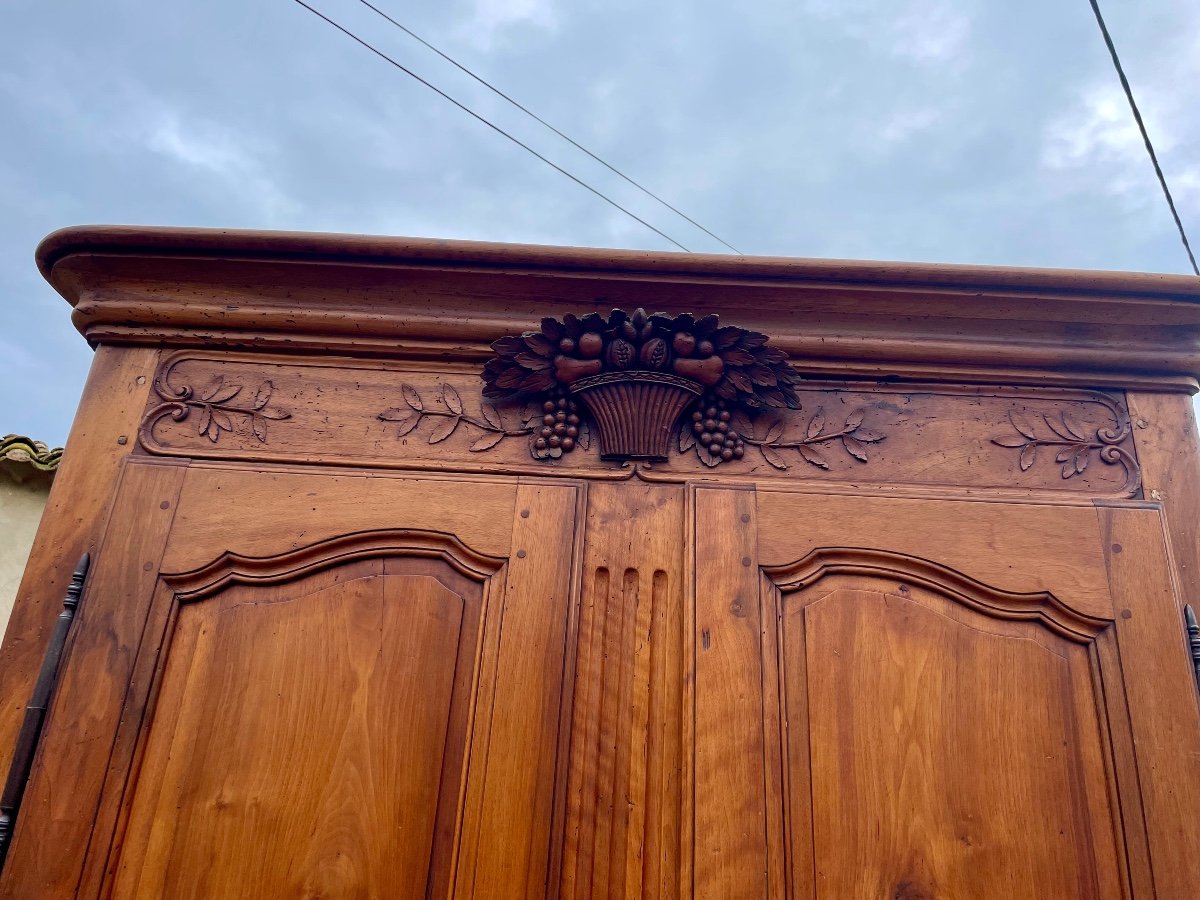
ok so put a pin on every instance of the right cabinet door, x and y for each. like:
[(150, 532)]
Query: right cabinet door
[(912, 699)]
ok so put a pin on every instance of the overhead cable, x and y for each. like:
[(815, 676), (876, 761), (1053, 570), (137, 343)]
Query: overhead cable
[(1162, 179), (499, 93), (350, 34)]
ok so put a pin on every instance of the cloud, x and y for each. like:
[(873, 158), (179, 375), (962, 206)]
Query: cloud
[(493, 21), (217, 152)]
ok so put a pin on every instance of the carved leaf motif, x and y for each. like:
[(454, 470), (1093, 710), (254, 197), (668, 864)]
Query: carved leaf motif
[(1059, 430), (854, 419), (451, 399), (869, 437), (222, 420), (533, 362), (407, 425), (443, 430), (220, 392), (263, 395), (774, 457), (411, 397), (1080, 462), (813, 457), (774, 432), (539, 344), (687, 437), (1071, 429), (259, 426), (1010, 441), (739, 380), (707, 457), (1019, 423), (487, 442), (815, 424), (206, 423), (854, 448), (491, 416), (1028, 455)]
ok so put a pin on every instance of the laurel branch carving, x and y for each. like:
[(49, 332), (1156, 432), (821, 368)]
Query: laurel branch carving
[(219, 408), (553, 428), (1075, 448)]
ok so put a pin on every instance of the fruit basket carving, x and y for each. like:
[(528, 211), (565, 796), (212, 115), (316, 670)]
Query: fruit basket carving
[(636, 375)]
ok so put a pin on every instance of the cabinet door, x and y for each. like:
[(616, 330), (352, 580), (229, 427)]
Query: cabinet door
[(917, 699), (343, 687)]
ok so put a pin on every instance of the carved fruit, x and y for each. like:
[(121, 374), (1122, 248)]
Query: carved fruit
[(566, 345), (590, 345), (654, 354), (684, 343), (621, 354), (706, 371), (567, 369), (629, 331), (705, 349)]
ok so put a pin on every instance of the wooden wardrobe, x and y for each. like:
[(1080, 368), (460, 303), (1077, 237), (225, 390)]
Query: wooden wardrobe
[(419, 572)]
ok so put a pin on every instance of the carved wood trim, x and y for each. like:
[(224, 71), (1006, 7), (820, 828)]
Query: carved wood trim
[(390, 415), (448, 300), (233, 568), (1042, 606)]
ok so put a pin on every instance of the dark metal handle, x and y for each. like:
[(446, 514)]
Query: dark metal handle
[(35, 712), (1193, 633)]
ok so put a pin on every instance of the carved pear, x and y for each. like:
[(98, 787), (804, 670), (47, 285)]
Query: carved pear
[(706, 371), (567, 370)]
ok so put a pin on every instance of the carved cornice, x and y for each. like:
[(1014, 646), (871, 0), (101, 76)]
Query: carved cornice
[(424, 299)]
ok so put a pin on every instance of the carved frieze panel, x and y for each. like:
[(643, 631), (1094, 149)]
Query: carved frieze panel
[(378, 413)]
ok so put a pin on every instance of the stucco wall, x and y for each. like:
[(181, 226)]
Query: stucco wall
[(21, 508)]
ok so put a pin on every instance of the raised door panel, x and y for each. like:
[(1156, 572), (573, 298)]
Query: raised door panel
[(311, 684), (930, 701), (309, 739), (933, 751)]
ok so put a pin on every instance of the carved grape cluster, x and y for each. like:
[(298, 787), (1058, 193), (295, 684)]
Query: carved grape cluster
[(711, 431), (734, 364), (559, 430)]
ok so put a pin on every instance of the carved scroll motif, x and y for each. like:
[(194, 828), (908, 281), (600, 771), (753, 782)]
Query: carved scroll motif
[(1069, 442), (219, 407)]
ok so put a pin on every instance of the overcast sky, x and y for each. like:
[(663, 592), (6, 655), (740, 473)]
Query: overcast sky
[(973, 131)]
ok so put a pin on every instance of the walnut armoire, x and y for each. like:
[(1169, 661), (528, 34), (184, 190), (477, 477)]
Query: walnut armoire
[(427, 569)]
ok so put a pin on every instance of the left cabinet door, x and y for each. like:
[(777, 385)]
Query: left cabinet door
[(309, 685)]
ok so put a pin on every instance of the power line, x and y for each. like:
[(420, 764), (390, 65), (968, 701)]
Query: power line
[(495, 90), (496, 128), (1162, 179)]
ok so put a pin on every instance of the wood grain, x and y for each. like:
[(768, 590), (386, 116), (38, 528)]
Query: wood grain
[(112, 403), (1161, 689), (303, 738), (992, 542), (948, 755), (507, 844), (730, 802), (622, 825), (917, 435), (64, 788), (433, 298)]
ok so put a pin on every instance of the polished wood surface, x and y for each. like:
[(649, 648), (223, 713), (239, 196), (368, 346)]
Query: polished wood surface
[(348, 635)]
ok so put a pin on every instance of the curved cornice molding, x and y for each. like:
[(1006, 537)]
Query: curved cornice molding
[(233, 568), (431, 299), (1040, 606)]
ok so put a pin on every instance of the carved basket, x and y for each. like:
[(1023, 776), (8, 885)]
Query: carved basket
[(635, 412)]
